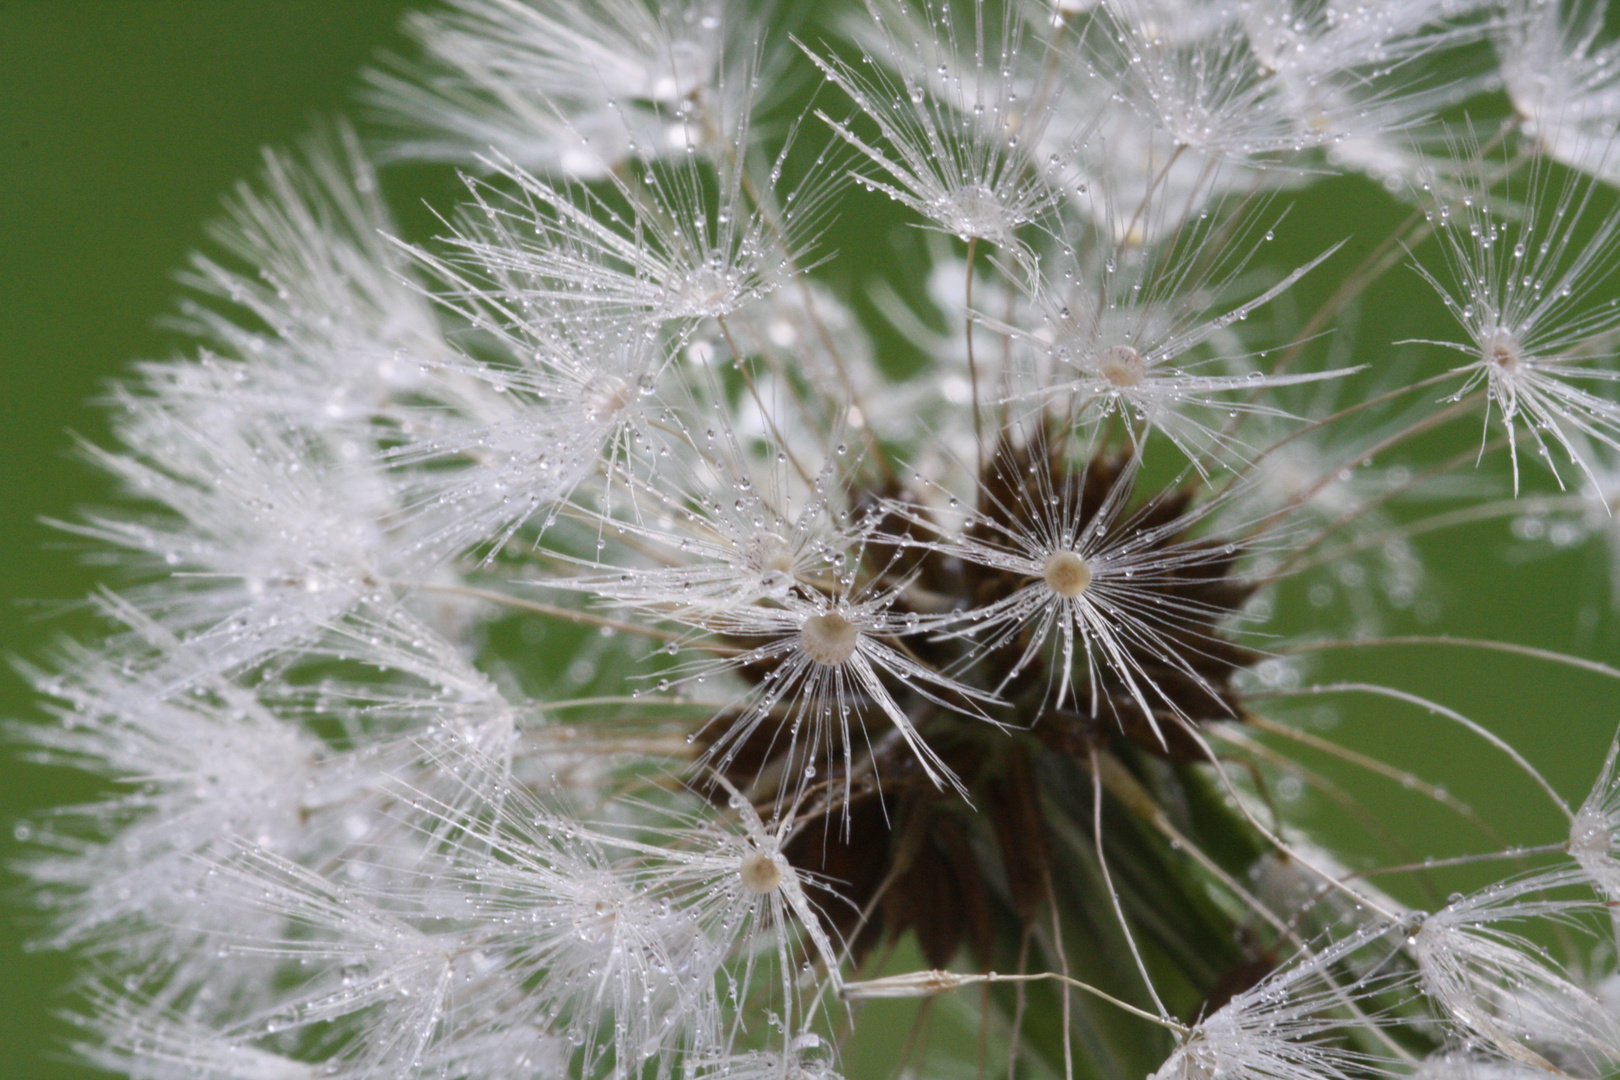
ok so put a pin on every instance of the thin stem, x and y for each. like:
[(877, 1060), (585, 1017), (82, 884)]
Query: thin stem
[(973, 369), (1450, 714), (753, 390), (619, 699), (1020, 997), (1324, 421), (1468, 515), (583, 617), (1360, 510), (1464, 860), (1129, 791), (930, 983), (1370, 821), (1378, 768), (1328, 475), (802, 281), (1063, 980), (1469, 643), (1113, 894)]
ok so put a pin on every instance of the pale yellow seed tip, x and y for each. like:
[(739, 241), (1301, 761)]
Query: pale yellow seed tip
[(1066, 574), (604, 397), (828, 638), (1502, 350), (759, 872), (1122, 366), (767, 552)]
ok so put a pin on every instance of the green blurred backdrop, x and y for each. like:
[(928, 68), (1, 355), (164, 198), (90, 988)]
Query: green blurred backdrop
[(123, 122)]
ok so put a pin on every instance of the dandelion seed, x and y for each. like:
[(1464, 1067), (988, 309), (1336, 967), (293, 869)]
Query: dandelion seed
[(308, 262), (580, 88), (1561, 76), (951, 126), (1278, 1029), (574, 390), (1594, 833), (272, 539), (1123, 596), (683, 254), (145, 1040), (829, 662), (1127, 336), (1500, 987), (1203, 90), (1523, 291)]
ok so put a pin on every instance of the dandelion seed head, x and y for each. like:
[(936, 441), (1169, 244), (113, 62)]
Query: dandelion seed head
[(596, 920), (766, 552), (974, 211), (1521, 290), (1594, 831), (1475, 965)]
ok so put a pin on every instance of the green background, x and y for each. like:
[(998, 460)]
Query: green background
[(123, 123)]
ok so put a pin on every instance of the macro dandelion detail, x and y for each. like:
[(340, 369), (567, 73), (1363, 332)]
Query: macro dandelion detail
[(630, 632)]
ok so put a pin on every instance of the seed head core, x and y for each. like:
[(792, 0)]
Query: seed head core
[(766, 552), (1502, 351), (596, 923), (604, 397), (828, 638), (1122, 366), (1066, 574), (759, 872)]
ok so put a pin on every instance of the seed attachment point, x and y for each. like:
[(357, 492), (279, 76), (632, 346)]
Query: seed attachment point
[(1066, 574), (1122, 366), (760, 873), (1502, 351), (828, 638), (605, 397)]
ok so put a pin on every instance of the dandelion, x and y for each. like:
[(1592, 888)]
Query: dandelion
[(1360, 84), (1560, 75), (826, 659), (748, 889), (734, 540), (573, 385), (652, 626), (1275, 1029), (1204, 91), (132, 1037), (219, 765), (673, 258), (318, 311), (274, 546)]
